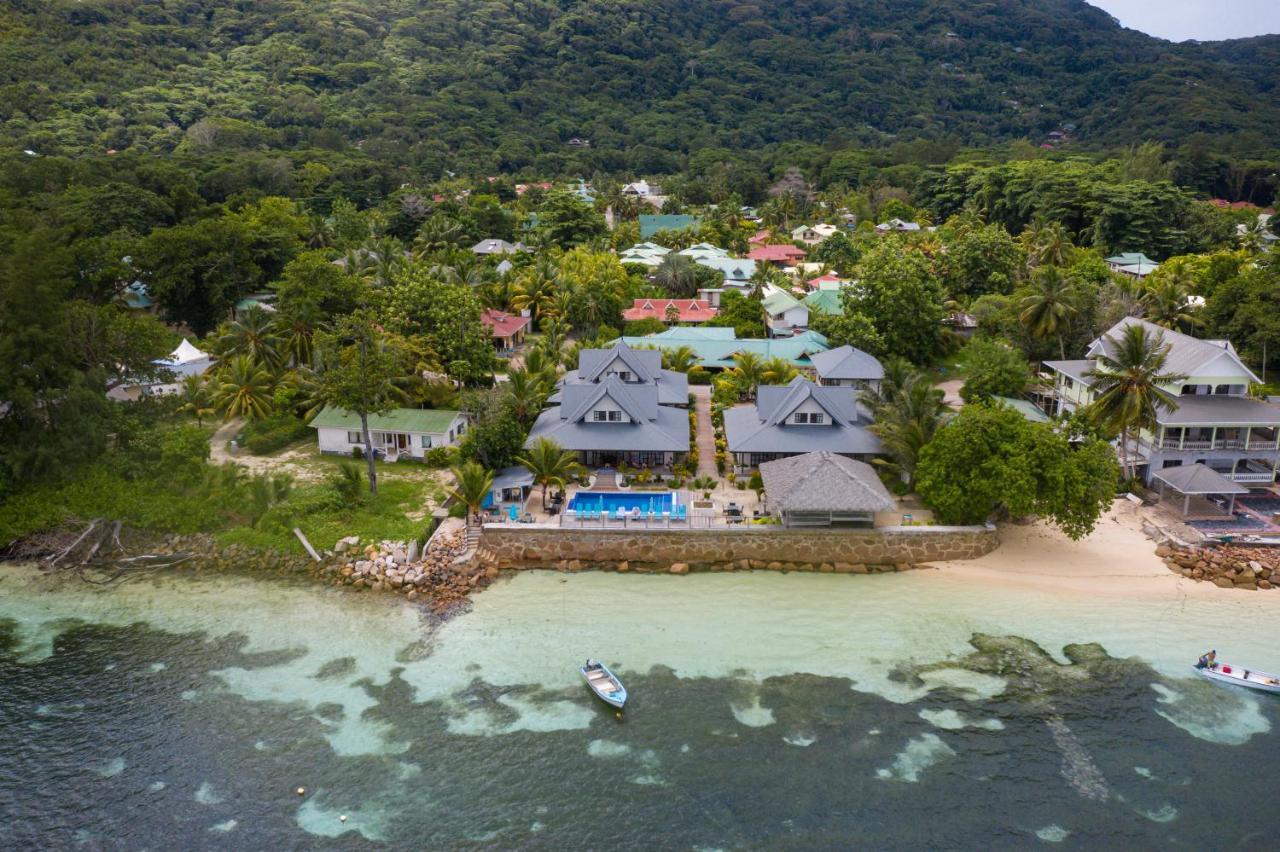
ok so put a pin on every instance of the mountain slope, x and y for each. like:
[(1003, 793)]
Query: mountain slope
[(504, 84)]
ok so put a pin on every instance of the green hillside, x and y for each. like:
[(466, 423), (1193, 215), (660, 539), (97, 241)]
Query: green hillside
[(504, 85)]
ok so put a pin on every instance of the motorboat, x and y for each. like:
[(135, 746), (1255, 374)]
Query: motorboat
[(604, 683), (1237, 676)]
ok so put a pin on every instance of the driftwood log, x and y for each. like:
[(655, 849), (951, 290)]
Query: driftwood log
[(93, 550)]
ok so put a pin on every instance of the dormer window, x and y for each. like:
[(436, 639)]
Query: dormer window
[(813, 419), (625, 375)]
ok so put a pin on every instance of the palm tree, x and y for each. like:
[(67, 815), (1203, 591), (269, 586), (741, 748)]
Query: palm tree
[(472, 484), (682, 359), (1167, 303), (550, 464), (253, 335), (748, 373), (527, 393), (907, 409), (677, 275), (555, 331), (777, 371), (1047, 244), (542, 365), (295, 333), (536, 287), (1126, 385), (242, 388), (195, 398), (1049, 309)]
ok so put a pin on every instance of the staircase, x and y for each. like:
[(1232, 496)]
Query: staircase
[(606, 480)]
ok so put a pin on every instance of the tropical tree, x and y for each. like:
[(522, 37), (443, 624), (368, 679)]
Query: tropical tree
[(677, 274), (907, 410), (550, 464), (242, 388), (1167, 303), (536, 287), (682, 359), (194, 398), (526, 392), (1047, 244), (471, 485), (748, 373), (1048, 310), (777, 371), (1126, 385), (254, 335)]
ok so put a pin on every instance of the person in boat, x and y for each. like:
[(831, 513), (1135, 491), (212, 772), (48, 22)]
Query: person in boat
[(1206, 661)]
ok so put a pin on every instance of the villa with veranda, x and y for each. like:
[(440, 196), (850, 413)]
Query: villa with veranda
[(1215, 423)]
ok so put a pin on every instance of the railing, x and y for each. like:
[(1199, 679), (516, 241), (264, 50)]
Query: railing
[(1220, 444), (696, 521), (1251, 476)]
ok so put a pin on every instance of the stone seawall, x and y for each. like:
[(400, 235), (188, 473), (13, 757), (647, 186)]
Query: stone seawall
[(529, 546)]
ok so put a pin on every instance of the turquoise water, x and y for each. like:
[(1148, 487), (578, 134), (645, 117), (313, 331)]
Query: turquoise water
[(656, 502), (766, 712)]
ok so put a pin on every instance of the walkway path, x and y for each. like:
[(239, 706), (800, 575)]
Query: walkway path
[(706, 431), (218, 453)]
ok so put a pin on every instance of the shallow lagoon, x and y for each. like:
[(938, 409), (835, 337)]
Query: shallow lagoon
[(768, 711)]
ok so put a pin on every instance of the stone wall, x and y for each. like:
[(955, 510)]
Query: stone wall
[(527, 546)]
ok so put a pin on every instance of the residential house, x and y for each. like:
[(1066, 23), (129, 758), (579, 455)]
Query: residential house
[(824, 489), (485, 248), (715, 347), (651, 224), (670, 311), (736, 271), (761, 237), (829, 281), (779, 254), (784, 314), (186, 360), (897, 225), (704, 251), (395, 434), (619, 406), (813, 234), (797, 418), (961, 323), (847, 367), (824, 302), (1215, 423), (649, 254), (1133, 264), (641, 189), (257, 301), (507, 330), (136, 298)]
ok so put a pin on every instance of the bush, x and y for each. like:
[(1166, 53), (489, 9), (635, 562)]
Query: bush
[(458, 510), (346, 482), (441, 457), (357, 453), (273, 433), (756, 483), (699, 376)]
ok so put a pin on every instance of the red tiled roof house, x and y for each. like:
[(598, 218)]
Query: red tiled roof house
[(507, 330), (781, 254), (671, 310)]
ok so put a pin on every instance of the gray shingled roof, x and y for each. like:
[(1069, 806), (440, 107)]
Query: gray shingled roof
[(668, 431), (845, 362), (776, 402), (645, 363), (1219, 410), (1078, 369), (760, 428), (824, 481), (1198, 479), (1187, 355)]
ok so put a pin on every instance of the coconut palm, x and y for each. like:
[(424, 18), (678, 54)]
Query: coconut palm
[(1048, 310), (295, 333), (555, 331), (908, 410), (677, 275), (682, 359), (471, 485), (527, 394), (194, 398), (777, 371), (747, 372), (1047, 244), (1126, 385), (539, 363), (550, 464), (252, 334), (242, 388), (1167, 303), (536, 287)]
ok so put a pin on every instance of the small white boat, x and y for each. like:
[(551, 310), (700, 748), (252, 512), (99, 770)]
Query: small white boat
[(1237, 676), (604, 683)]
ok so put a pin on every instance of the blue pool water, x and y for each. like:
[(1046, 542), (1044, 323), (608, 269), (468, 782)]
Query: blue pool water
[(658, 501)]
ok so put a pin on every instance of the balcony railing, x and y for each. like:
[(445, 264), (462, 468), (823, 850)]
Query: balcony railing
[(1221, 444), (1251, 476)]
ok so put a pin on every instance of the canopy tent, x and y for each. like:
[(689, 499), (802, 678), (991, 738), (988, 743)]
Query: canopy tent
[(1198, 479)]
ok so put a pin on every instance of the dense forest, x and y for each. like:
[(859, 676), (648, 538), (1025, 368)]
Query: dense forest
[(488, 86)]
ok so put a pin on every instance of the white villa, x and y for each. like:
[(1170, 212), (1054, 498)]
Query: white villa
[(847, 367), (813, 234), (1215, 422), (784, 314), (399, 433)]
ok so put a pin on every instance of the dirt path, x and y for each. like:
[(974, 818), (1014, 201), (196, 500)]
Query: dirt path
[(289, 462), (218, 453), (706, 432), (951, 392)]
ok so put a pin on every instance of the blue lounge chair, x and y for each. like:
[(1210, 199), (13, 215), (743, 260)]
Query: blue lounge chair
[(512, 513)]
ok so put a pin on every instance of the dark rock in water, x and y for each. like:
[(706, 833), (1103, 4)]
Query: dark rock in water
[(340, 667)]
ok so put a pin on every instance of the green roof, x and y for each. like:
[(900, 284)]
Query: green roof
[(430, 420), (715, 347), (825, 301), (1025, 408), (778, 301), (650, 225)]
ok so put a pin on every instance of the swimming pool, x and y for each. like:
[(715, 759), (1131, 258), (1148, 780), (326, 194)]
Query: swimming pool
[(611, 501)]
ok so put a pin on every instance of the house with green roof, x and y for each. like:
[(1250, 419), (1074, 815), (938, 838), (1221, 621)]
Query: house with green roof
[(1135, 264), (824, 302), (652, 224), (784, 314), (396, 434), (714, 346)]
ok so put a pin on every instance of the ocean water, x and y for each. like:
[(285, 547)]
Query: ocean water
[(768, 712)]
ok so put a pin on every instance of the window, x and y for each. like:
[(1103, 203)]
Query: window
[(426, 442), (1222, 389), (615, 416), (815, 418), (802, 417), (1068, 382), (599, 416), (625, 375), (354, 438)]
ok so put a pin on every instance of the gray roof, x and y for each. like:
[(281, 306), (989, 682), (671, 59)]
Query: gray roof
[(845, 362), (645, 363), (760, 428), (673, 387), (1187, 355), (494, 247), (1078, 370), (824, 481), (1198, 479), (512, 477), (653, 427), (1219, 409)]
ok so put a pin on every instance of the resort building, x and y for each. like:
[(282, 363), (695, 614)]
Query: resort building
[(847, 367), (648, 254), (897, 225), (784, 314), (1215, 423), (777, 254), (715, 347), (619, 406), (670, 311), (1133, 264), (797, 418), (824, 489), (824, 302), (507, 330), (396, 434)]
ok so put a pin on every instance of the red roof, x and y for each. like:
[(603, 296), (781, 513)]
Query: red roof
[(761, 237), (778, 253), (691, 310), (815, 283), (502, 324)]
